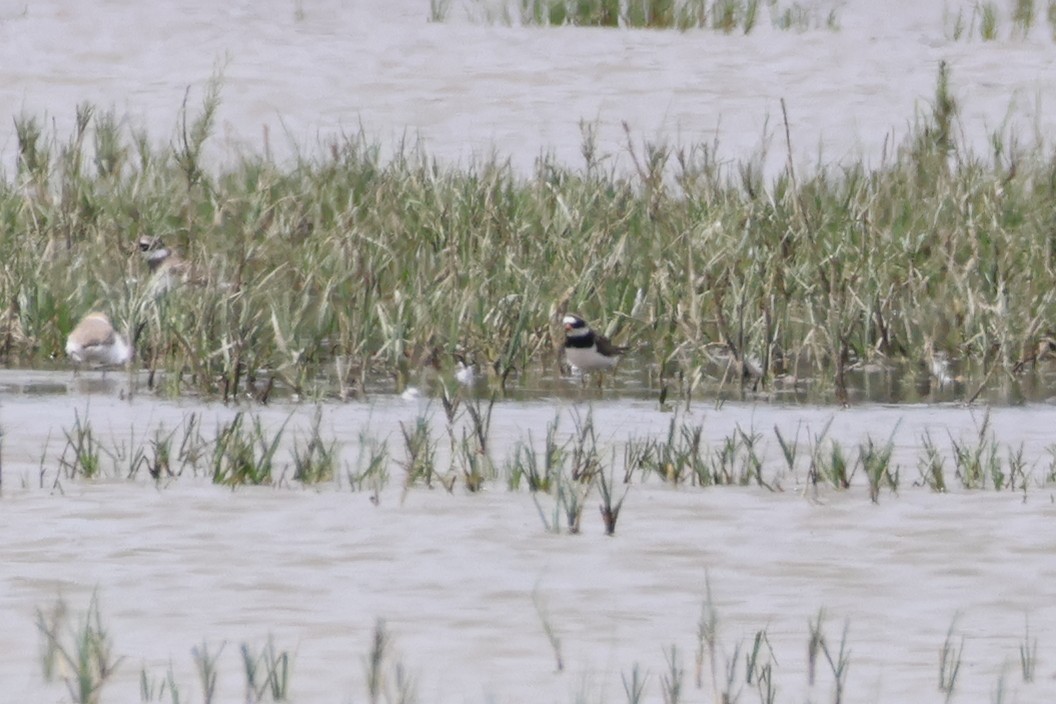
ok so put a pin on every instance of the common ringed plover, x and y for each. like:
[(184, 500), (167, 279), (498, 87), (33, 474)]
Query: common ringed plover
[(587, 350), (94, 341), (167, 268)]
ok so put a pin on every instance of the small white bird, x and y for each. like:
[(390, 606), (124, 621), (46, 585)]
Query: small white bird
[(465, 374), (94, 341), (585, 349)]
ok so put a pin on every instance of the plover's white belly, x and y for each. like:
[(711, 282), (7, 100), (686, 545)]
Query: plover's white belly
[(113, 354), (588, 359)]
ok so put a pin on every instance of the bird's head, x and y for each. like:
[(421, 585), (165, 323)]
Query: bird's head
[(574, 322)]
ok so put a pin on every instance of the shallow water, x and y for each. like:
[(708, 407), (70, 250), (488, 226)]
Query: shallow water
[(453, 575), (305, 70)]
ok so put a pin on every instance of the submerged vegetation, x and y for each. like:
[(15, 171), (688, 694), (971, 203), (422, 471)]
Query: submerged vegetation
[(726, 16), (82, 656), (986, 21), (567, 471), (312, 276)]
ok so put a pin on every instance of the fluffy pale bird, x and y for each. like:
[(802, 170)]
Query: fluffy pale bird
[(95, 342)]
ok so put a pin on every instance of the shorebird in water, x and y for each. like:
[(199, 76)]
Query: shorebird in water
[(585, 349), (94, 342)]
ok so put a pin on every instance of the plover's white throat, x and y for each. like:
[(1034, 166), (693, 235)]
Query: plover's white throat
[(587, 350), (94, 341)]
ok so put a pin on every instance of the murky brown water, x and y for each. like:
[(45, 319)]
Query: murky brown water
[(453, 575)]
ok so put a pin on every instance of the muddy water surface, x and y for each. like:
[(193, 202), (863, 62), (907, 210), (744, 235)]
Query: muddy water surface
[(461, 579)]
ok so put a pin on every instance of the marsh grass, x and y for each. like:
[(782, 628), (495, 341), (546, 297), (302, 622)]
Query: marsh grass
[(560, 473), (584, 460), (838, 656), (314, 458), (81, 654), (347, 266), (372, 467), (1018, 472), (1024, 15), (686, 457), (244, 451), (153, 690), (549, 629), (568, 473), (876, 465), (419, 463), (1028, 655), (932, 465), (439, 10), (387, 679), (470, 452), (983, 21), (950, 659), (708, 640), (159, 462), (82, 455), (828, 462), (129, 456), (979, 461), (267, 673), (634, 687), (988, 21), (610, 506), (540, 474), (571, 499), (671, 680), (375, 661), (759, 667), (726, 16), (713, 657), (205, 665)]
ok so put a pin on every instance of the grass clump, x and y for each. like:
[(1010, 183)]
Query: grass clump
[(950, 659), (82, 653), (419, 452), (267, 673), (979, 461), (387, 679), (244, 453), (726, 16), (320, 276), (82, 455), (314, 460)]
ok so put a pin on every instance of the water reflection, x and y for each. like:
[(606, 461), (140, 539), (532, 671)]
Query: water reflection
[(905, 383)]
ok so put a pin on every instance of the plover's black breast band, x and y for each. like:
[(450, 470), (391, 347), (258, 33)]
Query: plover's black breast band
[(580, 341)]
